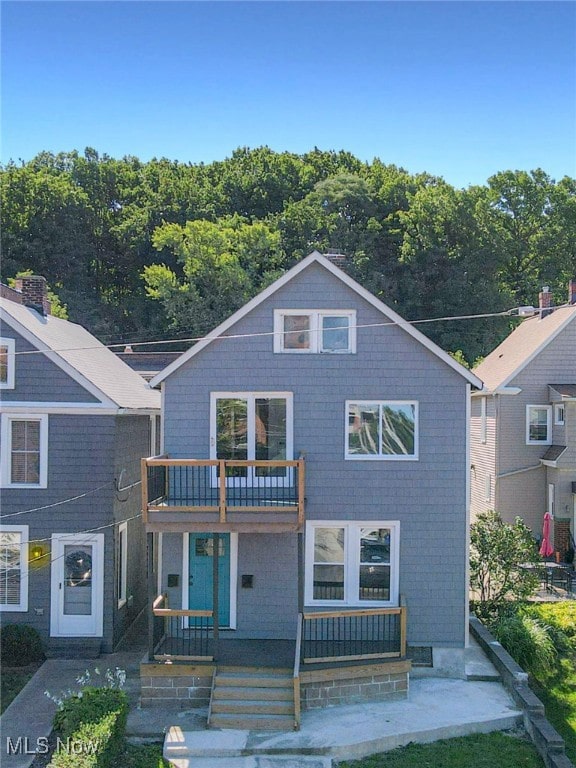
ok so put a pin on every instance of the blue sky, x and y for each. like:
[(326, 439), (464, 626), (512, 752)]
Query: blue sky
[(458, 89)]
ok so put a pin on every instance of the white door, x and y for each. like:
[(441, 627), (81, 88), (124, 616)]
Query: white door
[(77, 585)]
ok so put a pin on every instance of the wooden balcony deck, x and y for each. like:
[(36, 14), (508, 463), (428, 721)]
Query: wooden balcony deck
[(221, 495)]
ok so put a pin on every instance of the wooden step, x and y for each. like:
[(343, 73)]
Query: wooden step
[(252, 699), (254, 722), (249, 692), (253, 707), (254, 681)]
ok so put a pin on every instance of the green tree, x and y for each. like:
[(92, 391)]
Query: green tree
[(497, 552), (222, 265)]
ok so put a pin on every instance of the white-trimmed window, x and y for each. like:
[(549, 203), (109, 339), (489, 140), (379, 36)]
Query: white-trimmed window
[(24, 460), (122, 564), (14, 568), (247, 426), (483, 423), (488, 487), (538, 424), (382, 429), (559, 414), (307, 331), (7, 363), (352, 563)]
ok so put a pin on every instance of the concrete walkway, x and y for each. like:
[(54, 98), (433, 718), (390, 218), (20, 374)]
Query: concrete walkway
[(436, 708)]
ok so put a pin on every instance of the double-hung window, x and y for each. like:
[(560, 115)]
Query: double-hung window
[(7, 363), (538, 424), (24, 461), (306, 331), (352, 563), (254, 426), (382, 429), (14, 568)]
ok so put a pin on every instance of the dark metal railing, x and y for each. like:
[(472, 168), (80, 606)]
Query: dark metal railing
[(197, 485), (181, 635), (355, 634)]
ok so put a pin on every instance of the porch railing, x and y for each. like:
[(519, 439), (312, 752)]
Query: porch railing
[(222, 486), (353, 635), (180, 635)]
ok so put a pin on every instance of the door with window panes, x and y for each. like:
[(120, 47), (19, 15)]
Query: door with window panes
[(248, 427)]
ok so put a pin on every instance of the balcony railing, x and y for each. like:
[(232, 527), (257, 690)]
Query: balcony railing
[(330, 636), (223, 487), (180, 635)]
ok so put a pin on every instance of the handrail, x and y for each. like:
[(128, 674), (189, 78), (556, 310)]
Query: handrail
[(296, 673), (352, 612), (353, 634), (224, 487), (187, 643)]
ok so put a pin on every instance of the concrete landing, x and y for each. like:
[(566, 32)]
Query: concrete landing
[(435, 709)]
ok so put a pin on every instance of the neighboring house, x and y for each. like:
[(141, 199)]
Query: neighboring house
[(147, 364), (316, 463), (524, 425), (75, 423)]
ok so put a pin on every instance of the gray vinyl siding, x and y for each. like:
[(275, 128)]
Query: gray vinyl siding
[(482, 456), (525, 494), (38, 379), (132, 443), (79, 460), (427, 496)]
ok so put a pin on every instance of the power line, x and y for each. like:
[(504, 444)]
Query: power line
[(196, 339)]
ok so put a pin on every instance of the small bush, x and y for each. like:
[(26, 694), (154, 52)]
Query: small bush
[(88, 706), (527, 640), (20, 645), (92, 724)]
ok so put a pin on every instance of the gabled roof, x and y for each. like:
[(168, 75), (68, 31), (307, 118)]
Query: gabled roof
[(317, 258), (82, 357), (525, 342)]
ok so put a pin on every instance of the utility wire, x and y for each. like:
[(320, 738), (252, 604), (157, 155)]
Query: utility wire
[(195, 339)]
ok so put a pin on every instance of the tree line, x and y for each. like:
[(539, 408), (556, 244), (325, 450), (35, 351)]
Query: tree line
[(163, 249)]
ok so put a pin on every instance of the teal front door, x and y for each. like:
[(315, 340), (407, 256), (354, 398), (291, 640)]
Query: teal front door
[(201, 575)]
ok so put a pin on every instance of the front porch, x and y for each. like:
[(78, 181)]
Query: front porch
[(337, 657)]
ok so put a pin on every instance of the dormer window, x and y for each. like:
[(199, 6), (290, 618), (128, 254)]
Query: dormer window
[(7, 363), (323, 331)]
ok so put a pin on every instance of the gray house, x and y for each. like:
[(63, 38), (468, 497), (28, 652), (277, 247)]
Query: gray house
[(75, 422), (524, 425), (310, 507)]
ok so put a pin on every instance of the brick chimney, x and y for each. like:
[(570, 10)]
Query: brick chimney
[(572, 292), (338, 259), (34, 293), (545, 302)]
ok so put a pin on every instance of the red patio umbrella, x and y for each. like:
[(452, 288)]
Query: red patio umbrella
[(546, 549)]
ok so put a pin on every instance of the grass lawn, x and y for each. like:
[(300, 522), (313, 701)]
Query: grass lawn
[(557, 690), (146, 756), (491, 750), (12, 680)]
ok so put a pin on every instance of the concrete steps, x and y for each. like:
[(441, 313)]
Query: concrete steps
[(252, 698)]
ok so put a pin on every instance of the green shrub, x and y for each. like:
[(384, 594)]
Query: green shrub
[(561, 616), (527, 640), (88, 706), (91, 726), (20, 645)]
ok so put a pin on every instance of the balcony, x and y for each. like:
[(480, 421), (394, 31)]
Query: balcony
[(222, 495)]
